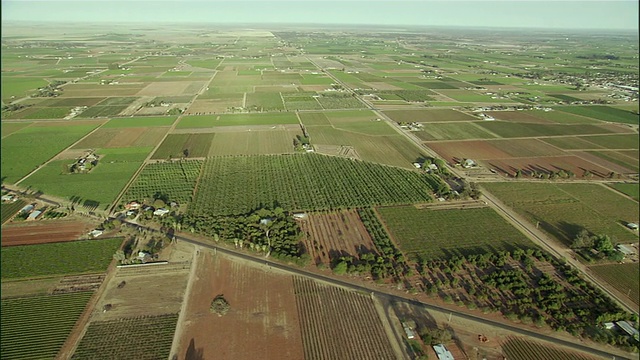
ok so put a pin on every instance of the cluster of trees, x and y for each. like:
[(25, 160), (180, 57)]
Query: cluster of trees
[(13, 107), (50, 90), (601, 243), (553, 175), (391, 261), (271, 231)]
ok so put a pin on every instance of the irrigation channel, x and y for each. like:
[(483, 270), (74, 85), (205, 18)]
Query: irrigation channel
[(391, 297)]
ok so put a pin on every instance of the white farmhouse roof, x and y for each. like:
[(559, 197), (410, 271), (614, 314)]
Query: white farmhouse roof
[(442, 352)]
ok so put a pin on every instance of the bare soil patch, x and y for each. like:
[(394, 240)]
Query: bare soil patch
[(165, 88), (46, 231), (331, 236), (125, 137), (262, 321)]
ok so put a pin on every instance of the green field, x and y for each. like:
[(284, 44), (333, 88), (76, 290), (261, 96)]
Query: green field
[(511, 129), (129, 122), (617, 141), (605, 113), (237, 120), (562, 117), (37, 327), (49, 113), (239, 184), (272, 141), (20, 86), (453, 131), (26, 149), (439, 234), (175, 179), (143, 337), (428, 115), (97, 188), (174, 146), (264, 101), (55, 259), (623, 277), (9, 128), (564, 209), (629, 189)]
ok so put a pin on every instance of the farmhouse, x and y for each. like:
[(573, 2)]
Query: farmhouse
[(132, 206), (442, 352)]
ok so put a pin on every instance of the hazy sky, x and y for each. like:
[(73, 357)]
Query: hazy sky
[(585, 14)]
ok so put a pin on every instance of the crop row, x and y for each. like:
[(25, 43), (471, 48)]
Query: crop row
[(57, 258), (339, 324), (36, 327), (8, 210), (237, 185), (142, 337), (515, 348), (176, 180)]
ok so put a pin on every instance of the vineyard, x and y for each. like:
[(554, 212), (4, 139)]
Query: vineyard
[(57, 258), (433, 234), (339, 324), (520, 349), (37, 327), (176, 180), (237, 185), (8, 210), (143, 337), (623, 277)]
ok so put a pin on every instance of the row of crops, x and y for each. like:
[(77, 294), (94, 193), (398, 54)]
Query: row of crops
[(37, 327), (237, 185), (517, 348), (176, 180), (142, 337), (10, 209)]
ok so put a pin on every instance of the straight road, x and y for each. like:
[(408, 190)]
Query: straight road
[(382, 294)]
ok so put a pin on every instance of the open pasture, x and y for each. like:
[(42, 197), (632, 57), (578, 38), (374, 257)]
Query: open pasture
[(564, 209), (18, 86), (606, 113), (45, 232), (37, 327), (31, 146), (44, 260), (437, 115), (176, 146), (629, 189), (264, 101), (239, 184), (562, 117), (176, 179), (9, 128), (618, 141), (440, 234), (122, 137), (262, 304), (145, 122), (46, 112), (212, 106), (97, 188), (572, 143), (237, 120), (314, 118), (333, 235)]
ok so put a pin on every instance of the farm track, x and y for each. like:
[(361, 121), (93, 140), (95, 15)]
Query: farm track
[(394, 297)]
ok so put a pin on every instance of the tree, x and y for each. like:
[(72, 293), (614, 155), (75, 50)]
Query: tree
[(185, 152), (603, 244), (582, 240), (340, 268)]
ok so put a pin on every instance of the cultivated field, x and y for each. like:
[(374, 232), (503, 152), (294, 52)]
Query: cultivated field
[(522, 349), (43, 232), (623, 277), (262, 306), (175, 179), (333, 235), (334, 322), (8, 211), (440, 234)]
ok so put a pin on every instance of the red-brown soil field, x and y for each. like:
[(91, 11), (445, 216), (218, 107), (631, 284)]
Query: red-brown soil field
[(548, 164), (262, 322), (48, 231), (339, 324), (330, 236)]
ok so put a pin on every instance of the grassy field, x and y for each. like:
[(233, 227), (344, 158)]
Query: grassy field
[(510, 129), (428, 115), (264, 101), (37, 327), (562, 117), (28, 148), (438, 234), (564, 209), (20, 86), (618, 141), (272, 141), (605, 113), (629, 189), (97, 188), (454, 131), (623, 277), (54, 259), (237, 120), (9, 128)]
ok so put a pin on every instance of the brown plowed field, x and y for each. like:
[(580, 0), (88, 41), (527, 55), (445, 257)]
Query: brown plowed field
[(48, 231), (477, 150), (330, 236), (262, 322), (339, 324), (547, 164)]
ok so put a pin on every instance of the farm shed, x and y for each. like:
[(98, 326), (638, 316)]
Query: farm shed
[(95, 233), (9, 197), (625, 249), (34, 215), (626, 326), (442, 352), (161, 212), (408, 331), (27, 208), (632, 226), (300, 216)]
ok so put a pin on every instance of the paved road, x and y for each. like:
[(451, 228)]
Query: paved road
[(388, 296)]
